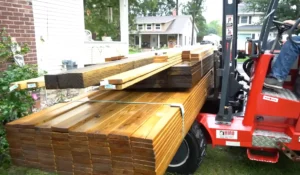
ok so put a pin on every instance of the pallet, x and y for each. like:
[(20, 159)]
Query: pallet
[(126, 132)]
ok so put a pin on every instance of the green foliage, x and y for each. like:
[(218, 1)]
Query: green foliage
[(6, 44), (156, 7), (134, 49), (195, 8), (96, 18), (15, 104), (283, 12), (97, 21), (214, 27)]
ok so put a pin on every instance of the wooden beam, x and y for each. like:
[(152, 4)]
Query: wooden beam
[(29, 84)]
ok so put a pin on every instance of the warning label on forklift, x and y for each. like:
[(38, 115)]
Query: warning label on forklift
[(226, 134), (229, 27)]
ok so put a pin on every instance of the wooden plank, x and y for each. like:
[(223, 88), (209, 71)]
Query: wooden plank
[(84, 115), (30, 83), (140, 78), (57, 108), (91, 75), (123, 139)]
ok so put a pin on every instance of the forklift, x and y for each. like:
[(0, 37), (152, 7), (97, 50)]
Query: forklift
[(262, 120)]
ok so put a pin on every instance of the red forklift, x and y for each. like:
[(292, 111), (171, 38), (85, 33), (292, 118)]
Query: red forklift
[(262, 120)]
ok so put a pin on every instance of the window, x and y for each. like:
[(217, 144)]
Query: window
[(157, 26), (140, 27), (149, 26), (244, 19)]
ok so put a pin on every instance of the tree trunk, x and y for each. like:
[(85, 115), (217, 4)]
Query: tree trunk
[(177, 8), (193, 28)]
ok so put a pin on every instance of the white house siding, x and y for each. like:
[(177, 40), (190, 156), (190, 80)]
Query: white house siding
[(59, 27)]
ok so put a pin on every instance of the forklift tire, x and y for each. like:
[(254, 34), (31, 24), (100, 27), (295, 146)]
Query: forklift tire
[(191, 152)]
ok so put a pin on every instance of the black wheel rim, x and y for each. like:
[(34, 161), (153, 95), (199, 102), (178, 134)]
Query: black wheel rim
[(181, 156)]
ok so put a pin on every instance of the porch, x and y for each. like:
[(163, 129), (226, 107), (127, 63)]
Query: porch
[(157, 41)]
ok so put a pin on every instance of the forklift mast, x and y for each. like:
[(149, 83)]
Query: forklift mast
[(231, 88)]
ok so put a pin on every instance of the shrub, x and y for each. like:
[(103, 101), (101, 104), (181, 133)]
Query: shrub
[(6, 45), (15, 104)]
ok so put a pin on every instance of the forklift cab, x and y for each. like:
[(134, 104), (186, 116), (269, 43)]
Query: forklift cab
[(257, 117), (262, 120)]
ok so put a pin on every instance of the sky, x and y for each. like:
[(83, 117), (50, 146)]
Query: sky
[(213, 10)]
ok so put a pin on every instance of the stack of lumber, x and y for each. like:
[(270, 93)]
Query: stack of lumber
[(133, 133), (28, 84), (183, 75), (129, 78), (200, 54), (114, 58), (91, 75), (186, 53)]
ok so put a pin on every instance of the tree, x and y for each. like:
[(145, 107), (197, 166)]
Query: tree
[(214, 27), (97, 20), (156, 7), (287, 9), (195, 8)]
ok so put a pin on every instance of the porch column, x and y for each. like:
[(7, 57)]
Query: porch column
[(124, 24), (140, 41), (134, 40), (177, 39), (158, 40)]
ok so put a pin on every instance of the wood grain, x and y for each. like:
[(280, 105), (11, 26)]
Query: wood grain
[(118, 132)]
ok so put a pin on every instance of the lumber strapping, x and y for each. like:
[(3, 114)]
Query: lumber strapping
[(107, 138), (30, 83)]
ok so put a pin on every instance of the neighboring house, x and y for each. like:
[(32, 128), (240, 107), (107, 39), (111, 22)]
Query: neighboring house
[(249, 25), (55, 31), (161, 31)]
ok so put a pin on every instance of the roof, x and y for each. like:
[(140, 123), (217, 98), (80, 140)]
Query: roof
[(176, 27), (250, 28), (154, 19)]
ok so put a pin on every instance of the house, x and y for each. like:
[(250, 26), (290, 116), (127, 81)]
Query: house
[(249, 25), (55, 31), (161, 31)]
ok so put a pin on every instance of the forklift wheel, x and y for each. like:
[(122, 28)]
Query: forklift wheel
[(191, 152)]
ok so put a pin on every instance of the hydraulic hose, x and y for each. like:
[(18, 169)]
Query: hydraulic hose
[(247, 65)]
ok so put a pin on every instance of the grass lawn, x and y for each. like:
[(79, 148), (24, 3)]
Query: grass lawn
[(133, 51), (219, 161)]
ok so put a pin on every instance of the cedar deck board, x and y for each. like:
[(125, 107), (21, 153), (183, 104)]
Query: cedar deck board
[(140, 78), (84, 137), (187, 77), (91, 75)]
